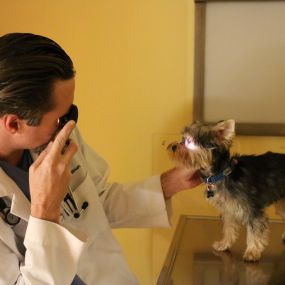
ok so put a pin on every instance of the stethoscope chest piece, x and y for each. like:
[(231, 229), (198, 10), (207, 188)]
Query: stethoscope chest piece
[(9, 218)]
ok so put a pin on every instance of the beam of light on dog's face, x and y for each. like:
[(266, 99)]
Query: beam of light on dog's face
[(189, 143)]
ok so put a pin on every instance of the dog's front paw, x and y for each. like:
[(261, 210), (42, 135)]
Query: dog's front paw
[(221, 245), (251, 255)]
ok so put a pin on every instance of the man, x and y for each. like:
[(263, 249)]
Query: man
[(57, 207)]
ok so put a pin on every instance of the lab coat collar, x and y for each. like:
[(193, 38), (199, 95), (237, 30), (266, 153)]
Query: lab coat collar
[(20, 205), (34, 155)]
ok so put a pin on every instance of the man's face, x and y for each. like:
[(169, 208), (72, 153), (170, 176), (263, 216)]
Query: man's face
[(37, 137)]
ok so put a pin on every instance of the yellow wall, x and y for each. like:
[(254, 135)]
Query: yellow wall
[(134, 62)]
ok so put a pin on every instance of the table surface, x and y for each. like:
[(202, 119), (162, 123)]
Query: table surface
[(191, 259)]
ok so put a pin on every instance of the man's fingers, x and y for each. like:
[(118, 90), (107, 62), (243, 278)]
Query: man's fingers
[(42, 155), (69, 152), (59, 149), (61, 138)]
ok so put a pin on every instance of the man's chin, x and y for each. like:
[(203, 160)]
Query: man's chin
[(42, 147), (39, 149)]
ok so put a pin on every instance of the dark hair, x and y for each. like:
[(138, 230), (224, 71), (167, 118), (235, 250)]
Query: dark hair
[(29, 65)]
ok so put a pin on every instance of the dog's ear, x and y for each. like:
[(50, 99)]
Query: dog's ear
[(225, 130)]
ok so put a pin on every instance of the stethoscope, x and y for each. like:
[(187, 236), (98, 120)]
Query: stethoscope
[(9, 218), (69, 205)]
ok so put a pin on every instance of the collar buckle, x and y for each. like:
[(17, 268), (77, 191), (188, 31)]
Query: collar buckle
[(210, 180)]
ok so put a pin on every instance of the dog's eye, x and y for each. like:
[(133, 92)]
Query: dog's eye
[(189, 143)]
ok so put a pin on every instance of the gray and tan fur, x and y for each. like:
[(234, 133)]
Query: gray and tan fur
[(253, 182)]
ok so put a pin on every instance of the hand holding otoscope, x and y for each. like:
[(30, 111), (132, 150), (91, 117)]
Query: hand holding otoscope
[(50, 174)]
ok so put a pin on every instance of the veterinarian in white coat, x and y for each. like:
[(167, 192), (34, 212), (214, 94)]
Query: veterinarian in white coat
[(55, 223)]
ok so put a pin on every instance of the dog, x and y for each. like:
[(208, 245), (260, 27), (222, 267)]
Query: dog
[(240, 186)]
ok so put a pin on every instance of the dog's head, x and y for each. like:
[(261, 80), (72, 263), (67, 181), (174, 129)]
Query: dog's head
[(200, 141)]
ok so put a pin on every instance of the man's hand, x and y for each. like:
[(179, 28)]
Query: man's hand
[(178, 179), (50, 174)]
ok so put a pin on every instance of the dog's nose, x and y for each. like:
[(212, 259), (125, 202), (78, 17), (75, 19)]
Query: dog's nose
[(174, 147)]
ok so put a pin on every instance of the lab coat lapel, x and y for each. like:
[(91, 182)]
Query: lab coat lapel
[(20, 205), (7, 237)]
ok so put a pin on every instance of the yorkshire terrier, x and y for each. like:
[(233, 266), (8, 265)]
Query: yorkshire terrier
[(240, 186)]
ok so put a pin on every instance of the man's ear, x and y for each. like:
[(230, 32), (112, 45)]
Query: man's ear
[(225, 130), (11, 123)]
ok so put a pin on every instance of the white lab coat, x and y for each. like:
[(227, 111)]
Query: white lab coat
[(84, 246)]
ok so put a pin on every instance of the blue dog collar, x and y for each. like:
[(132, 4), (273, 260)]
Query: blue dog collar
[(220, 176)]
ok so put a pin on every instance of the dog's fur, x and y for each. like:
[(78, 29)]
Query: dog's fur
[(253, 182)]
